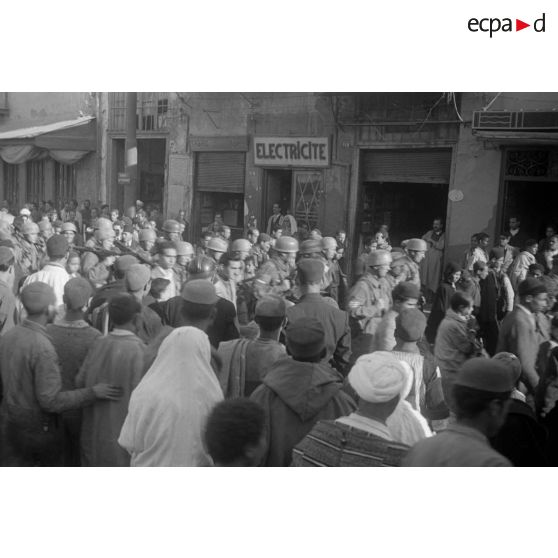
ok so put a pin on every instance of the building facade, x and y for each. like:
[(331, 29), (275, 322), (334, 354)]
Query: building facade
[(334, 161)]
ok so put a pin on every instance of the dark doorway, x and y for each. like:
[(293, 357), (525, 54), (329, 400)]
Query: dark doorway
[(407, 208), (151, 171), (278, 189), (533, 203)]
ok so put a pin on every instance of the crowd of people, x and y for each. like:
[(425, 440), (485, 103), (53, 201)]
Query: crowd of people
[(124, 342)]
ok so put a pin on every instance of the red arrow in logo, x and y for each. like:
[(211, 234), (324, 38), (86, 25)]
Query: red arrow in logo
[(519, 25)]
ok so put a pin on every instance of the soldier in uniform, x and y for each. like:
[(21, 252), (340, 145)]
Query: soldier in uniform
[(216, 247), (147, 239), (184, 255), (282, 264), (171, 230), (69, 230), (369, 300), (27, 256), (416, 250), (397, 272), (240, 249), (335, 277)]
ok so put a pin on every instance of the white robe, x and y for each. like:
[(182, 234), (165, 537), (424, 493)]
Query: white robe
[(168, 409)]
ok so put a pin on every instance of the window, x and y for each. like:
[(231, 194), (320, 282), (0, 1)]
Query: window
[(11, 185), (35, 191), (64, 183)]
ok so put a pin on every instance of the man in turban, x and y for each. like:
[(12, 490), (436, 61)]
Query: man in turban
[(361, 439)]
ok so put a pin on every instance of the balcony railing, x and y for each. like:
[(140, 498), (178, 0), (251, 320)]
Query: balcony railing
[(153, 112)]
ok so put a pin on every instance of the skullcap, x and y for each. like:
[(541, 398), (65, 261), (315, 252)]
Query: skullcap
[(310, 270), (36, 297), (77, 292), (305, 337), (137, 277), (200, 291), (486, 374)]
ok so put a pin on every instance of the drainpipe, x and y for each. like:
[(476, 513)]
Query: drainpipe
[(131, 149)]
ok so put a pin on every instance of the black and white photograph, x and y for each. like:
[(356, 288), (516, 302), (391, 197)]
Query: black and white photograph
[(279, 279)]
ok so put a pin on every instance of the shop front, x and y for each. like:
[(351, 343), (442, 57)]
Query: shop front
[(293, 177), (405, 189)]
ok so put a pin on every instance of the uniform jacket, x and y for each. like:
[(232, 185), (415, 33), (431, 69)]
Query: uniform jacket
[(457, 446), (296, 395), (335, 323), (369, 300)]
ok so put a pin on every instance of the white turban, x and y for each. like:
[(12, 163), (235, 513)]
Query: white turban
[(378, 377)]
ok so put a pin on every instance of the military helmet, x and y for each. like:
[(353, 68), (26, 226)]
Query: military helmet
[(68, 226), (184, 248), (378, 257), (147, 234), (329, 242), (416, 245), (311, 246), (286, 244), (29, 227), (171, 226), (241, 245), (217, 244), (201, 265)]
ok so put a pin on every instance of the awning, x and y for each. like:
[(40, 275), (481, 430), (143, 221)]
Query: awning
[(66, 142), (526, 137)]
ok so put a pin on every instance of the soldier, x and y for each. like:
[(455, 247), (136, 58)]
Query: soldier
[(184, 255), (240, 249), (69, 230), (171, 230), (147, 239), (281, 266), (216, 247), (96, 267), (335, 277), (369, 300), (26, 253), (397, 271), (416, 250)]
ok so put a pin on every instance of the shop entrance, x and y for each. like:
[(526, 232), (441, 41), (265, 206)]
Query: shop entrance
[(404, 189), (151, 173), (530, 189), (407, 208), (298, 191)]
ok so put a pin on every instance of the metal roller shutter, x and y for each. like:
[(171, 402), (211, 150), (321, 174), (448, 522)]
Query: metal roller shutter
[(221, 171), (424, 165)]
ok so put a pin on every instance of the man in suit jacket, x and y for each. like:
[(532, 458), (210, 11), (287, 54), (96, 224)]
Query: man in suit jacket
[(518, 236), (335, 322), (518, 332)]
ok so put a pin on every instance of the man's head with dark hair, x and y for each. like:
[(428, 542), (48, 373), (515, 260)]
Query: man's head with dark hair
[(531, 246), (158, 287), (234, 433), (459, 301), (123, 308)]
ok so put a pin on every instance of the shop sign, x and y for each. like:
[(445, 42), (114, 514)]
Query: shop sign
[(124, 179), (291, 152)]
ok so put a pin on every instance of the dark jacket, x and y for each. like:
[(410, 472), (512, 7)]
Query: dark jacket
[(522, 439), (440, 306), (224, 327), (296, 395), (335, 323)]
